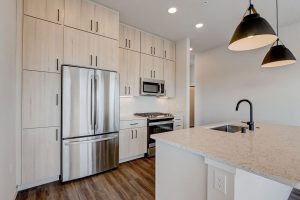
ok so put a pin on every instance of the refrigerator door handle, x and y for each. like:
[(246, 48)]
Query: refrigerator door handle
[(96, 103), (91, 141), (92, 103)]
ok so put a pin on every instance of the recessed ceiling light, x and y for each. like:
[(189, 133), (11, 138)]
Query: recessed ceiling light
[(199, 25), (191, 49), (172, 10)]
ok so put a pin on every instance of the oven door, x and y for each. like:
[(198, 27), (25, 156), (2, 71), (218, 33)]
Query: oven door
[(158, 127)]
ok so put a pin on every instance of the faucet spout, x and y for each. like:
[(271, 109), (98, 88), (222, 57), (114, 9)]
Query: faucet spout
[(251, 122)]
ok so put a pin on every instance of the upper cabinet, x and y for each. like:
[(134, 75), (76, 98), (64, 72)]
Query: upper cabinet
[(129, 72), (91, 17), (42, 45), (130, 38), (51, 10), (152, 67), (89, 50), (152, 45), (170, 77), (169, 50)]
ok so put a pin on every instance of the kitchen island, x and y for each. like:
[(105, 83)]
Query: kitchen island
[(200, 163)]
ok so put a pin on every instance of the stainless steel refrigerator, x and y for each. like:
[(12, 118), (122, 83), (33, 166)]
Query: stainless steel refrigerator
[(90, 122)]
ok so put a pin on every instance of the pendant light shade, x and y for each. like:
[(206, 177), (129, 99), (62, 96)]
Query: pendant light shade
[(278, 55), (252, 33)]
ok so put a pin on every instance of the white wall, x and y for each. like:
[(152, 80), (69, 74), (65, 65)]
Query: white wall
[(224, 77), (7, 100)]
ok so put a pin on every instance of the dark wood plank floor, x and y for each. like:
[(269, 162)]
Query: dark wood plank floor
[(132, 180)]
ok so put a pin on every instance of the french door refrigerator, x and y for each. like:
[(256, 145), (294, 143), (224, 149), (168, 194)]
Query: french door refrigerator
[(90, 122)]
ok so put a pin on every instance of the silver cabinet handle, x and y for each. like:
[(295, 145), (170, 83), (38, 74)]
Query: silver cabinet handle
[(57, 64), (125, 42), (91, 60), (151, 50), (91, 25), (97, 27), (56, 134), (96, 61), (134, 124), (165, 53), (151, 73), (154, 73), (58, 17), (129, 90), (135, 133), (154, 50), (125, 90), (129, 44), (132, 134), (57, 99)]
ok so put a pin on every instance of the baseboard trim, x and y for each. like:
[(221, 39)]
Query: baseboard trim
[(132, 158)]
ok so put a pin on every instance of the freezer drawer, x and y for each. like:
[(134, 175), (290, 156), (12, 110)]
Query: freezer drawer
[(90, 155)]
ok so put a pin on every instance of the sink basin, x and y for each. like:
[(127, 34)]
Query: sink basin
[(228, 128)]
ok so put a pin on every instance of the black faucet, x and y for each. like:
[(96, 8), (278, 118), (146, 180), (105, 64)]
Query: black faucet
[(251, 122)]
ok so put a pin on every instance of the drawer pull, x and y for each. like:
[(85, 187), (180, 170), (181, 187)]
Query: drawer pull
[(134, 124)]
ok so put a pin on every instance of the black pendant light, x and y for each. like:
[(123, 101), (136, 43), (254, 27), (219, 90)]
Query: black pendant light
[(252, 33), (278, 55)]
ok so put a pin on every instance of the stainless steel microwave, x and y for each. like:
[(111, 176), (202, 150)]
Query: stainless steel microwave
[(151, 87)]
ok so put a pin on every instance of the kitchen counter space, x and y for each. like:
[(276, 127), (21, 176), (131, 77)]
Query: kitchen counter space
[(271, 151), (131, 117)]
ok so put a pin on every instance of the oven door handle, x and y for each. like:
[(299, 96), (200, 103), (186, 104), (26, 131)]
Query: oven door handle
[(160, 123)]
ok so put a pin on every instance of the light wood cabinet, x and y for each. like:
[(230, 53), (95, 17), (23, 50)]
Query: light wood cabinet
[(41, 99), (151, 45), (130, 38), (169, 50), (152, 67), (170, 78), (85, 49), (40, 154), (42, 45), (51, 10), (133, 142), (91, 17), (129, 72)]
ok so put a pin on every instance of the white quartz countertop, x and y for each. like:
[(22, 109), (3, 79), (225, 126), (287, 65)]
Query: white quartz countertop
[(271, 151), (131, 117)]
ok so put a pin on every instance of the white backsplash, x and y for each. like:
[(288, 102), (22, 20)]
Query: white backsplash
[(129, 106)]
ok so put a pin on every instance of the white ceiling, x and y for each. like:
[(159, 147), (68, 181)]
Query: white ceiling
[(220, 17)]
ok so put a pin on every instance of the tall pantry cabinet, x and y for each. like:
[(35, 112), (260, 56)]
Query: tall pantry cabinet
[(56, 32)]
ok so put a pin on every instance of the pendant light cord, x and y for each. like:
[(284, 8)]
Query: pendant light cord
[(277, 19)]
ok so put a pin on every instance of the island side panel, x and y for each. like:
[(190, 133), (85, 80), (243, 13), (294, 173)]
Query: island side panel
[(180, 174)]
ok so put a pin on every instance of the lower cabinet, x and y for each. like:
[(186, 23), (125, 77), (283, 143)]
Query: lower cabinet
[(178, 122), (40, 155), (132, 143)]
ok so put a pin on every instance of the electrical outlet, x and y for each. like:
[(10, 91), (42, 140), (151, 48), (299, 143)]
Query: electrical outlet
[(220, 182)]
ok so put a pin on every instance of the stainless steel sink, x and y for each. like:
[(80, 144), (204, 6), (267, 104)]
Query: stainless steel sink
[(228, 128)]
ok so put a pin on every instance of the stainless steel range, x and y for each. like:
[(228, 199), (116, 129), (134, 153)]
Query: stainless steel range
[(157, 123)]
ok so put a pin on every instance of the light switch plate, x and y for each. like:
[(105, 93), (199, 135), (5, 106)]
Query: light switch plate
[(220, 182)]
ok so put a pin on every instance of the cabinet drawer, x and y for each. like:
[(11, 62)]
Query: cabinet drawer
[(178, 119), (129, 124)]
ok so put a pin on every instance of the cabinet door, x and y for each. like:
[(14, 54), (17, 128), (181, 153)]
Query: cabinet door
[(134, 143), (123, 70), (35, 8), (87, 15), (124, 143), (133, 73), (170, 77), (169, 50), (79, 48), (122, 36), (107, 53), (40, 154), (158, 68), (142, 140), (147, 43), (55, 11), (42, 45), (41, 99), (72, 13), (106, 22), (134, 39), (158, 45), (147, 66)]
